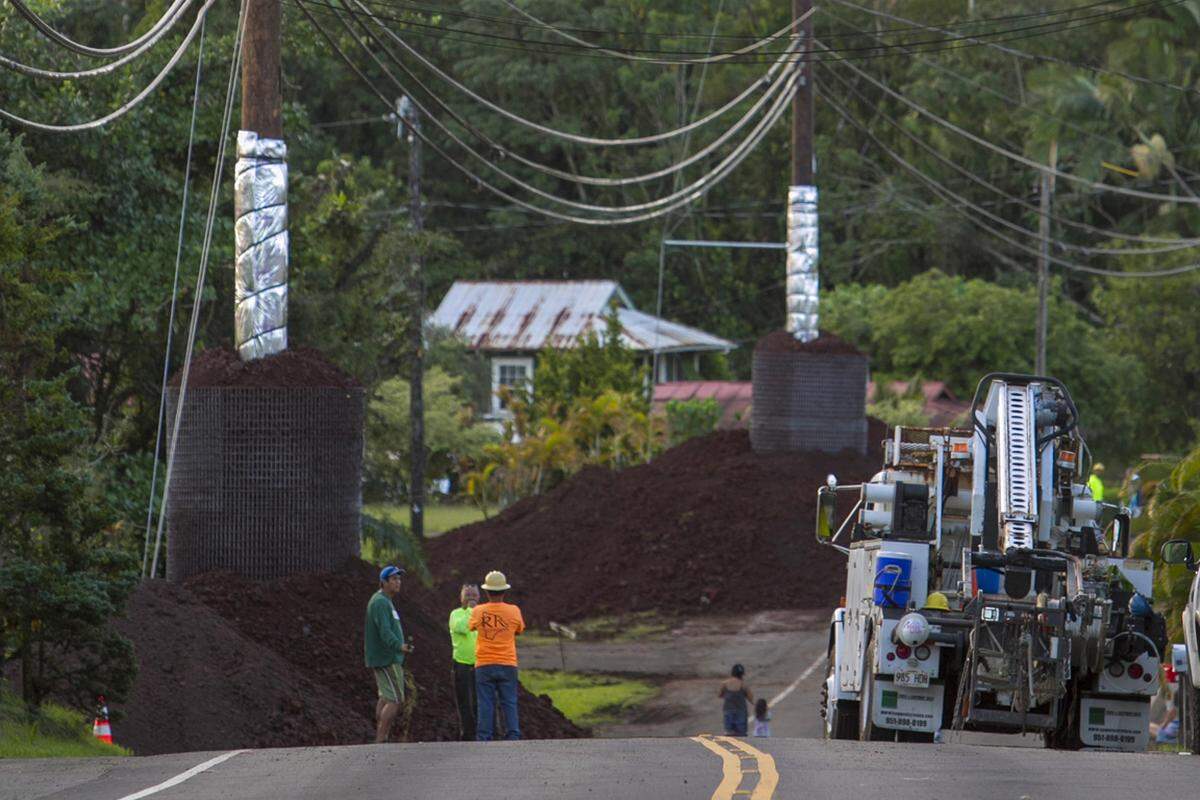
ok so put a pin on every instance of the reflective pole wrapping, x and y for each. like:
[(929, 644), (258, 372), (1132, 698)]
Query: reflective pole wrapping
[(802, 281), (261, 241)]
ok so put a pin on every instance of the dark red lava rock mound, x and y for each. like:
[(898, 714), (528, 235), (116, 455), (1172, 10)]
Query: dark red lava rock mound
[(227, 662), (296, 367), (707, 526), (825, 344)]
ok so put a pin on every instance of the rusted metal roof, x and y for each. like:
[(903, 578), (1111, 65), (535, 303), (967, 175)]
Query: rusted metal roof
[(507, 316)]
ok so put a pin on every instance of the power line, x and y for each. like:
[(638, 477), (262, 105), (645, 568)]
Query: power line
[(731, 160), (671, 169), (165, 21), (130, 105), (759, 85), (412, 7), (1033, 56), (1026, 32), (958, 200), (707, 59), (162, 400), (945, 123), (696, 194), (1174, 244), (201, 275), (105, 69)]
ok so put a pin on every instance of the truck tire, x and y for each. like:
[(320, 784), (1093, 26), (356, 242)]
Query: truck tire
[(840, 716), (1189, 713), (868, 731)]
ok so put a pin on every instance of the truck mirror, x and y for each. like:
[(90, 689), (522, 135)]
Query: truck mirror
[(826, 511), (1179, 551)]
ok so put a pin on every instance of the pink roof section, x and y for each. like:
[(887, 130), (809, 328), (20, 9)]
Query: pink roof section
[(733, 396), (941, 405)]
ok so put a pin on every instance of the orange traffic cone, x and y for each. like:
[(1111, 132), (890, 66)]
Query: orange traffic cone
[(100, 728)]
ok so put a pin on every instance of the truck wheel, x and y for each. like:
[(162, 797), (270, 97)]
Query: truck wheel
[(868, 731), (1189, 707), (840, 716)]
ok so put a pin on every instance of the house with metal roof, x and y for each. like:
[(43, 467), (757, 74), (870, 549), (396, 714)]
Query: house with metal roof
[(511, 321)]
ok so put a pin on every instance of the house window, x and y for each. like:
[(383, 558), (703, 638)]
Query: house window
[(514, 372)]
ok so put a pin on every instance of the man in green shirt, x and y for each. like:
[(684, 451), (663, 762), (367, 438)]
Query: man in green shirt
[(384, 650), (462, 640)]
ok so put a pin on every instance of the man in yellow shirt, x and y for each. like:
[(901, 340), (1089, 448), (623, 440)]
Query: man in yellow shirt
[(462, 643), (1096, 483), (498, 623)]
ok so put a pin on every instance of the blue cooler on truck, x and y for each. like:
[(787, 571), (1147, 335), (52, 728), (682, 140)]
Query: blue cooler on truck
[(893, 579)]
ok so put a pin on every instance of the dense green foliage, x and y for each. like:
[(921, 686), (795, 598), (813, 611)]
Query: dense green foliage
[(87, 244), (60, 577), (687, 419)]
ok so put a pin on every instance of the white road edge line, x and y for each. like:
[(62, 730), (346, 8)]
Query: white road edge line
[(813, 667), (183, 776)]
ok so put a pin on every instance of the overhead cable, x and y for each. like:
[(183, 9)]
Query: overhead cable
[(201, 277), (776, 87), (166, 370), (758, 85), (793, 25), (945, 123), (957, 202), (413, 7), (1171, 244), (130, 105), (484, 184), (165, 21), (441, 33), (104, 69), (1032, 56), (731, 160)]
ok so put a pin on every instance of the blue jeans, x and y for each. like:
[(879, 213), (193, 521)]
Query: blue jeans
[(496, 682), (735, 724)]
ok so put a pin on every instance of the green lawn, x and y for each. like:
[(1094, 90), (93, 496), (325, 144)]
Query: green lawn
[(438, 518), (53, 732), (588, 699), (622, 628)]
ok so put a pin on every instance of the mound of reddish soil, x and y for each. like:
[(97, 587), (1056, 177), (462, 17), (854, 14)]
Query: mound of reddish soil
[(825, 343), (296, 367), (227, 662), (709, 525)]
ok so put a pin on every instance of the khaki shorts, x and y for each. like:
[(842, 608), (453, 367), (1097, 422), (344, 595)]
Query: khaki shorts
[(390, 680)]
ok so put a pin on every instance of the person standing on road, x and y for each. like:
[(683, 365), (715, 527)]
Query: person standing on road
[(384, 650), (1096, 483), (462, 643), (498, 623), (736, 694)]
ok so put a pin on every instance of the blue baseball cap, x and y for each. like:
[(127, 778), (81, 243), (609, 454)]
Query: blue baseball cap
[(388, 572)]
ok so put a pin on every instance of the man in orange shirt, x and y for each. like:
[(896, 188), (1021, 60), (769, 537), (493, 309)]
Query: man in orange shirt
[(498, 624)]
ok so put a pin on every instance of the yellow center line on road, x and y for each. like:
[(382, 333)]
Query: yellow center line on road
[(733, 772)]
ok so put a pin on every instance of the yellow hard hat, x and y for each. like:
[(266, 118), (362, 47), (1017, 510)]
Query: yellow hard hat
[(495, 582), (937, 601)]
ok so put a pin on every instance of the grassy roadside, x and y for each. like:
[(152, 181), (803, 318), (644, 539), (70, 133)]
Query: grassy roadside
[(438, 518), (622, 628), (51, 732), (588, 700)]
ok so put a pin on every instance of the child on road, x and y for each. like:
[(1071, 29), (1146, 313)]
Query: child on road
[(762, 719)]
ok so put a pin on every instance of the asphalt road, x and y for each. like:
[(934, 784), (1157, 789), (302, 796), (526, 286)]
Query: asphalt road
[(662, 769)]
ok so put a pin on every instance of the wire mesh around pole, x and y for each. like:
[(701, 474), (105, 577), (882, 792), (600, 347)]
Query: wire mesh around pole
[(808, 401), (267, 481)]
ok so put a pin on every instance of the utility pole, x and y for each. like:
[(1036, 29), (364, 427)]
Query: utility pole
[(410, 122), (802, 279), (1043, 281), (260, 191)]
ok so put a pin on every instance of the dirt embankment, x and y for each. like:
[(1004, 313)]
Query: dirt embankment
[(226, 662), (709, 525)]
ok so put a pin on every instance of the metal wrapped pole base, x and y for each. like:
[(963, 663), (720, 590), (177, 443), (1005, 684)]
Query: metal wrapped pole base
[(261, 246), (808, 401), (803, 283)]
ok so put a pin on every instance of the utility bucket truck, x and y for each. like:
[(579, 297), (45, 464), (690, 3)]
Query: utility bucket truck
[(986, 589)]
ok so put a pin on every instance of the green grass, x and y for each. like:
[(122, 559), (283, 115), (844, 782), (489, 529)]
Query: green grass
[(51, 732), (588, 699), (622, 628), (438, 518)]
